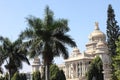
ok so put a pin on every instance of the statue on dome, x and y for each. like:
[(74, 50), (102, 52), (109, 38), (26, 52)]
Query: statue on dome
[(96, 24)]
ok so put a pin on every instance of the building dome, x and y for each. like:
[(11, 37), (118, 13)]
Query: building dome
[(101, 43), (75, 52), (97, 34), (101, 47)]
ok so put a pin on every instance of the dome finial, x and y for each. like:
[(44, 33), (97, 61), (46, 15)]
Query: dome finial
[(96, 26)]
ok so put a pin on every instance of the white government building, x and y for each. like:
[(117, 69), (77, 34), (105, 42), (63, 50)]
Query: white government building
[(76, 66)]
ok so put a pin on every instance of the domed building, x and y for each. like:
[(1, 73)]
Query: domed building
[(94, 38), (77, 65)]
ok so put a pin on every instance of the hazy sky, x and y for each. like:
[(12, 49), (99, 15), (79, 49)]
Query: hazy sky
[(81, 15)]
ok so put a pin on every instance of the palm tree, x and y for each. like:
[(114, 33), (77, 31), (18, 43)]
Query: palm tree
[(13, 53), (47, 38), (1, 62)]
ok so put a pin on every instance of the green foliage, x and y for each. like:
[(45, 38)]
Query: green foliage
[(1, 70), (113, 34), (56, 74), (19, 76), (47, 37), (6, 76), (116, 62), (13, 53), (2, 78), (23, 76), (16, 76), (54, 70), (112, 31), (95, 69), (61, 75), (36, 76)]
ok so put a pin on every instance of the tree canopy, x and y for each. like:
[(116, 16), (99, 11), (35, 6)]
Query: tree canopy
[(13, 53), (47, 37), (36, 75), (113, 33), (95, 70), (56, 73), (19, 76), (116, 62)]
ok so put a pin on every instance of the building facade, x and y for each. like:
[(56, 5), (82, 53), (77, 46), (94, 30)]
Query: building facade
[(76, 66)]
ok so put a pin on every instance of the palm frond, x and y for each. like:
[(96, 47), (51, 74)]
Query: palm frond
[(28, 33), (48, 21), (32, 53), (64, 39), (2, 55), (61, 26), (22, 57), (5, 40), (37, 45), (34, 23), (1, 69), (59, 48)]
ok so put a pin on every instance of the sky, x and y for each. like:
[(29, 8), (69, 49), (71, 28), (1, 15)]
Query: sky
[(81, 16)]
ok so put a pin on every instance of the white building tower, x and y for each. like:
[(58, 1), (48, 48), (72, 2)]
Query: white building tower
[(96, 36), (98, 46), (102, 51), (36, 64)]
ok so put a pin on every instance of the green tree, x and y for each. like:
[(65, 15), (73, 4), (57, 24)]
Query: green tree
[(56, 74), (1, 61), (95, 70), (36, 75), (6, 76), (1, 70), (47, 38), (116, 63), (112, 31), (61, 75), (1, 78), (13, 53), (54, 70), (16, 76), (112, 36), (23, 76), (19, 76)]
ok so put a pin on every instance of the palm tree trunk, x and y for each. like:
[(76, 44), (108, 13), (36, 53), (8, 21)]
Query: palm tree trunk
[(43, 74), (47, 75), (12, 72), (9, 74)]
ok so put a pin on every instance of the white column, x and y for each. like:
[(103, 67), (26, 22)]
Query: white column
[(72, 70), (76, 70), (83, 68), (67, 70), (80, 68), (87, 63)]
